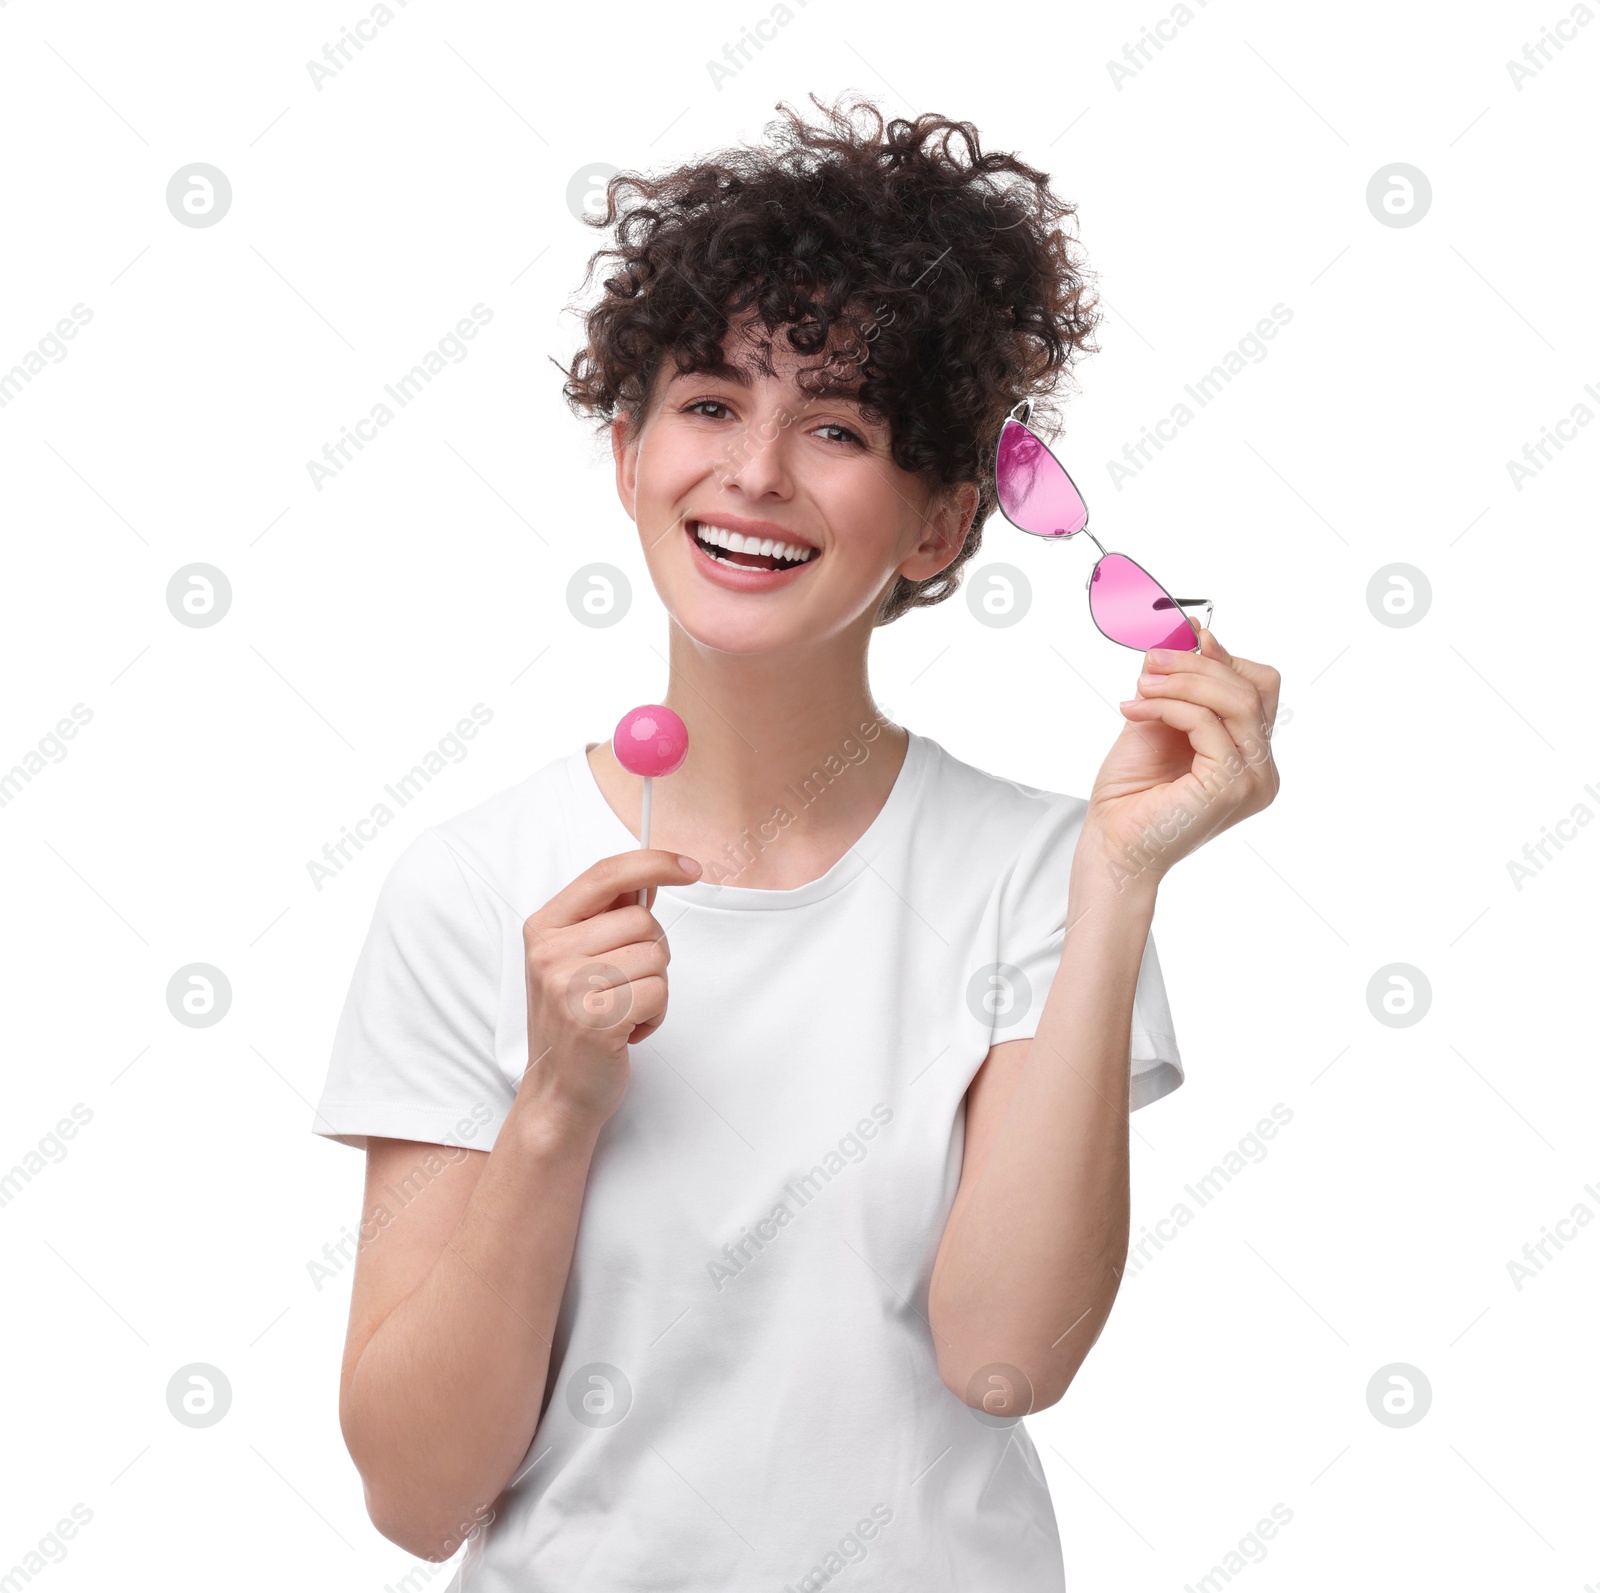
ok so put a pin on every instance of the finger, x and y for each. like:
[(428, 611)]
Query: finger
[(1232, 700), (1255, 678), (618, 967), (1166, 660), (608, 1007), (631, 925), (600, 885), (1204, 730), (1266, 680), (1263, 677)]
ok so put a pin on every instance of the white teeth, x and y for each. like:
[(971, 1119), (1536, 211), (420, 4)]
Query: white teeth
[(736, 542)]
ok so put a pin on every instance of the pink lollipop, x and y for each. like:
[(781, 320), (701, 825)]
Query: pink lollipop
[(649, 741)]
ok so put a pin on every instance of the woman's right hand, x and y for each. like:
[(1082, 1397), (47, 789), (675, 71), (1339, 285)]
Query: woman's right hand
[(596, 965)]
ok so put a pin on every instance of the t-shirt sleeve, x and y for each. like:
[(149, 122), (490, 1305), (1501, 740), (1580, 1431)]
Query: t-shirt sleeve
[(1032, 923), (414, 1053)]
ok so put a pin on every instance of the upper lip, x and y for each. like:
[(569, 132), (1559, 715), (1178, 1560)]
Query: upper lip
[(752, 528)]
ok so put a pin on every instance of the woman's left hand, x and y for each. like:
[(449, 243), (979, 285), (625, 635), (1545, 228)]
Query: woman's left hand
[(1194, 758)]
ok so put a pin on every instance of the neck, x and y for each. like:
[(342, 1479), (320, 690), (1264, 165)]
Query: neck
[(790, 759)]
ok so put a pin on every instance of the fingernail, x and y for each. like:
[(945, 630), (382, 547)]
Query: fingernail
[(688, 865), (1157, 656), (1129, 703)]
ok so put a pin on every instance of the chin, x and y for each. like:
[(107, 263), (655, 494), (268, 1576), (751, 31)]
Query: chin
[(737, 626), (749, 623)]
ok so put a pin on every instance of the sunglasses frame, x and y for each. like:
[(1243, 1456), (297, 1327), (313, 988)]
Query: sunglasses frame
[(1179, 603)]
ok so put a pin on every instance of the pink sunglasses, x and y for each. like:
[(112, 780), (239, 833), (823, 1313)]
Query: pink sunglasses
[(1128, 605)]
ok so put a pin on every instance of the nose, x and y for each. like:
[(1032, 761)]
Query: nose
[(758, 462)]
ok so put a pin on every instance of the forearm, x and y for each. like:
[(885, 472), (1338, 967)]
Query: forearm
[(1034, 1246), (445, 1398)]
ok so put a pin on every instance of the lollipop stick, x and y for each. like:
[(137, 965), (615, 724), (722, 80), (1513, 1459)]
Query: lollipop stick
[(648, 741), (644, 830)]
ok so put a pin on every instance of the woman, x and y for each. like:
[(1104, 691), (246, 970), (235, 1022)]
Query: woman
[(754, 1292)]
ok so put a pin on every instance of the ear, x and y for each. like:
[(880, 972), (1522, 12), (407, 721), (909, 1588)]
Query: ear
[(944, 531), (626, 454)]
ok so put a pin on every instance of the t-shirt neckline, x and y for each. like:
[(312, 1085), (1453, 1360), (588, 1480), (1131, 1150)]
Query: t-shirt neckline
[(609, 830)]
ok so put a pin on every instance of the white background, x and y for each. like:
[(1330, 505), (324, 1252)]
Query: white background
[(1227, 175)]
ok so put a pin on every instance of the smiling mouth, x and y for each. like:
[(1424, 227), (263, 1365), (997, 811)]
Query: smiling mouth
[(746, 555)]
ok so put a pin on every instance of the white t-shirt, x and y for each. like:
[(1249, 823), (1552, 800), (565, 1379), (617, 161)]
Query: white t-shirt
[(743, 1393)]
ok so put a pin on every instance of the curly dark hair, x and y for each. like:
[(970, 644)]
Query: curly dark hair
[(944, 268)]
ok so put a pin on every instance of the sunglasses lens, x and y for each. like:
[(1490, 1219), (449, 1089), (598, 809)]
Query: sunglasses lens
[(1130, 607), (1035, 493)]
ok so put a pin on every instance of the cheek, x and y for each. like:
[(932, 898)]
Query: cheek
[(671, 463), (863, 512)]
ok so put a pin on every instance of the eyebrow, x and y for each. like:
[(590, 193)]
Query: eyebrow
[(740, 377), (736, 374)]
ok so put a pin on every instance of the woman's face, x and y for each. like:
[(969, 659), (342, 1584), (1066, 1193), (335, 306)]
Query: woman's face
[(747, 457)]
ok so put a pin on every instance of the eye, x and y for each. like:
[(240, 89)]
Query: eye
[(700, 403), (833, 425)]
